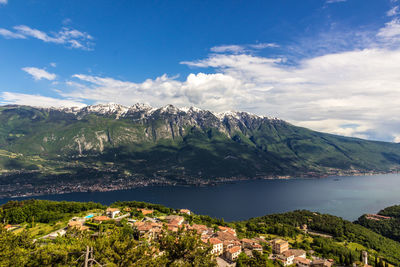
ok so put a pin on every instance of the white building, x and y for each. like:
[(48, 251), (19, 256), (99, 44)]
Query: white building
[(286, 259), (233, 253), (111, 212), (217, 244)]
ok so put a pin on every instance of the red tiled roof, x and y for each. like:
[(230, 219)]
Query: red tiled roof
[(75, 224), (176, 221), (234, 249), (226, 236), (302, 260), (279, 241), (145, 212), (246, 240), (172, 227), (185, 211), (227, 229), (112, 209), (214, 241), (147, 224), (199, 227), (293, 252), (101, 218)]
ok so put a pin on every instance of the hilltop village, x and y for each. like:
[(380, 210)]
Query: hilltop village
[(225, 245), (130, 233)]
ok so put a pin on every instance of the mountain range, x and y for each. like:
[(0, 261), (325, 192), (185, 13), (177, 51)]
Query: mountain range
[(112, 144)]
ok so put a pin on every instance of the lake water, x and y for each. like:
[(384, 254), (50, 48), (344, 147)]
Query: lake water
[(347, 197)]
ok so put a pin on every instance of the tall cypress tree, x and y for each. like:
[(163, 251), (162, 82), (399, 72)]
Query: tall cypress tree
[(350, 258)]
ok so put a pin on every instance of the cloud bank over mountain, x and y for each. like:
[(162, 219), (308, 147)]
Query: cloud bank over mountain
[(351, 89)]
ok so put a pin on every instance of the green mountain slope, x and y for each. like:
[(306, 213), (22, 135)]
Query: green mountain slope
[(386, 227), (170, 144), (346, 238)]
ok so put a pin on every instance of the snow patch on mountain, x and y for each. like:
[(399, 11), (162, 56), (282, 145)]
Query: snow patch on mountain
[(145, 110)]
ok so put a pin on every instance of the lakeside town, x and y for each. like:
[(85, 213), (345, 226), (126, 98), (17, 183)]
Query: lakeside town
[(26, 184), (226, 246)]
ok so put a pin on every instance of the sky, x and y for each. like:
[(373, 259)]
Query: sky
[(329, 65)]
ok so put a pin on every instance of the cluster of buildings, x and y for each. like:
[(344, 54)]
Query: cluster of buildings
[(282, 253), (225, 244), (376, 217), (10, 227), (78, 223), (151, 228), (224, 241)]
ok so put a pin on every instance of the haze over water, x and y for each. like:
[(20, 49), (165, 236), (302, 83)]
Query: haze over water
[(347, 197)]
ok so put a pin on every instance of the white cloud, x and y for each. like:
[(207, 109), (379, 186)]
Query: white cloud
[(11, 35), (351, 93), (391, 31), (236, 49), (328, 92), (69, 37), (393, 12), (39, 74), (263, 45), (10, 98), (334, 1), (228, 48), (213, 91), (396, 138), (53, 64), (3, 2), (67, 21)]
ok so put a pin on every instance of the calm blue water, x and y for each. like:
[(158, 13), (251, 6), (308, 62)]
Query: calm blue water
[(348, 197)]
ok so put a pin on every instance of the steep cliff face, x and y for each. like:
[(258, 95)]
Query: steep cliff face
[(179, 141), (95, 128)]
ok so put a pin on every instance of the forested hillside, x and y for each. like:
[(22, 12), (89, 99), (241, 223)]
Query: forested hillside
[(389, 227), (123, 147)]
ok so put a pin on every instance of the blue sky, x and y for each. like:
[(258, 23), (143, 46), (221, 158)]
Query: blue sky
[(330, 65)]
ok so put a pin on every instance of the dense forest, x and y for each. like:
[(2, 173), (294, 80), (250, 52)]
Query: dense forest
[(43, 211)]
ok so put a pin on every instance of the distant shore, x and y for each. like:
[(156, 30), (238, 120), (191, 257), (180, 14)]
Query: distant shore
[(19, 190)]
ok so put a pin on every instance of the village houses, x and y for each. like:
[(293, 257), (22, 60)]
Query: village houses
[(279, 246), (223, 241), (233, 253), (217, 246), (184, 211), (100, 219), (111, 212)]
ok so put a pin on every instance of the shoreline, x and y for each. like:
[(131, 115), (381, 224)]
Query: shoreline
[(67, 188)]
